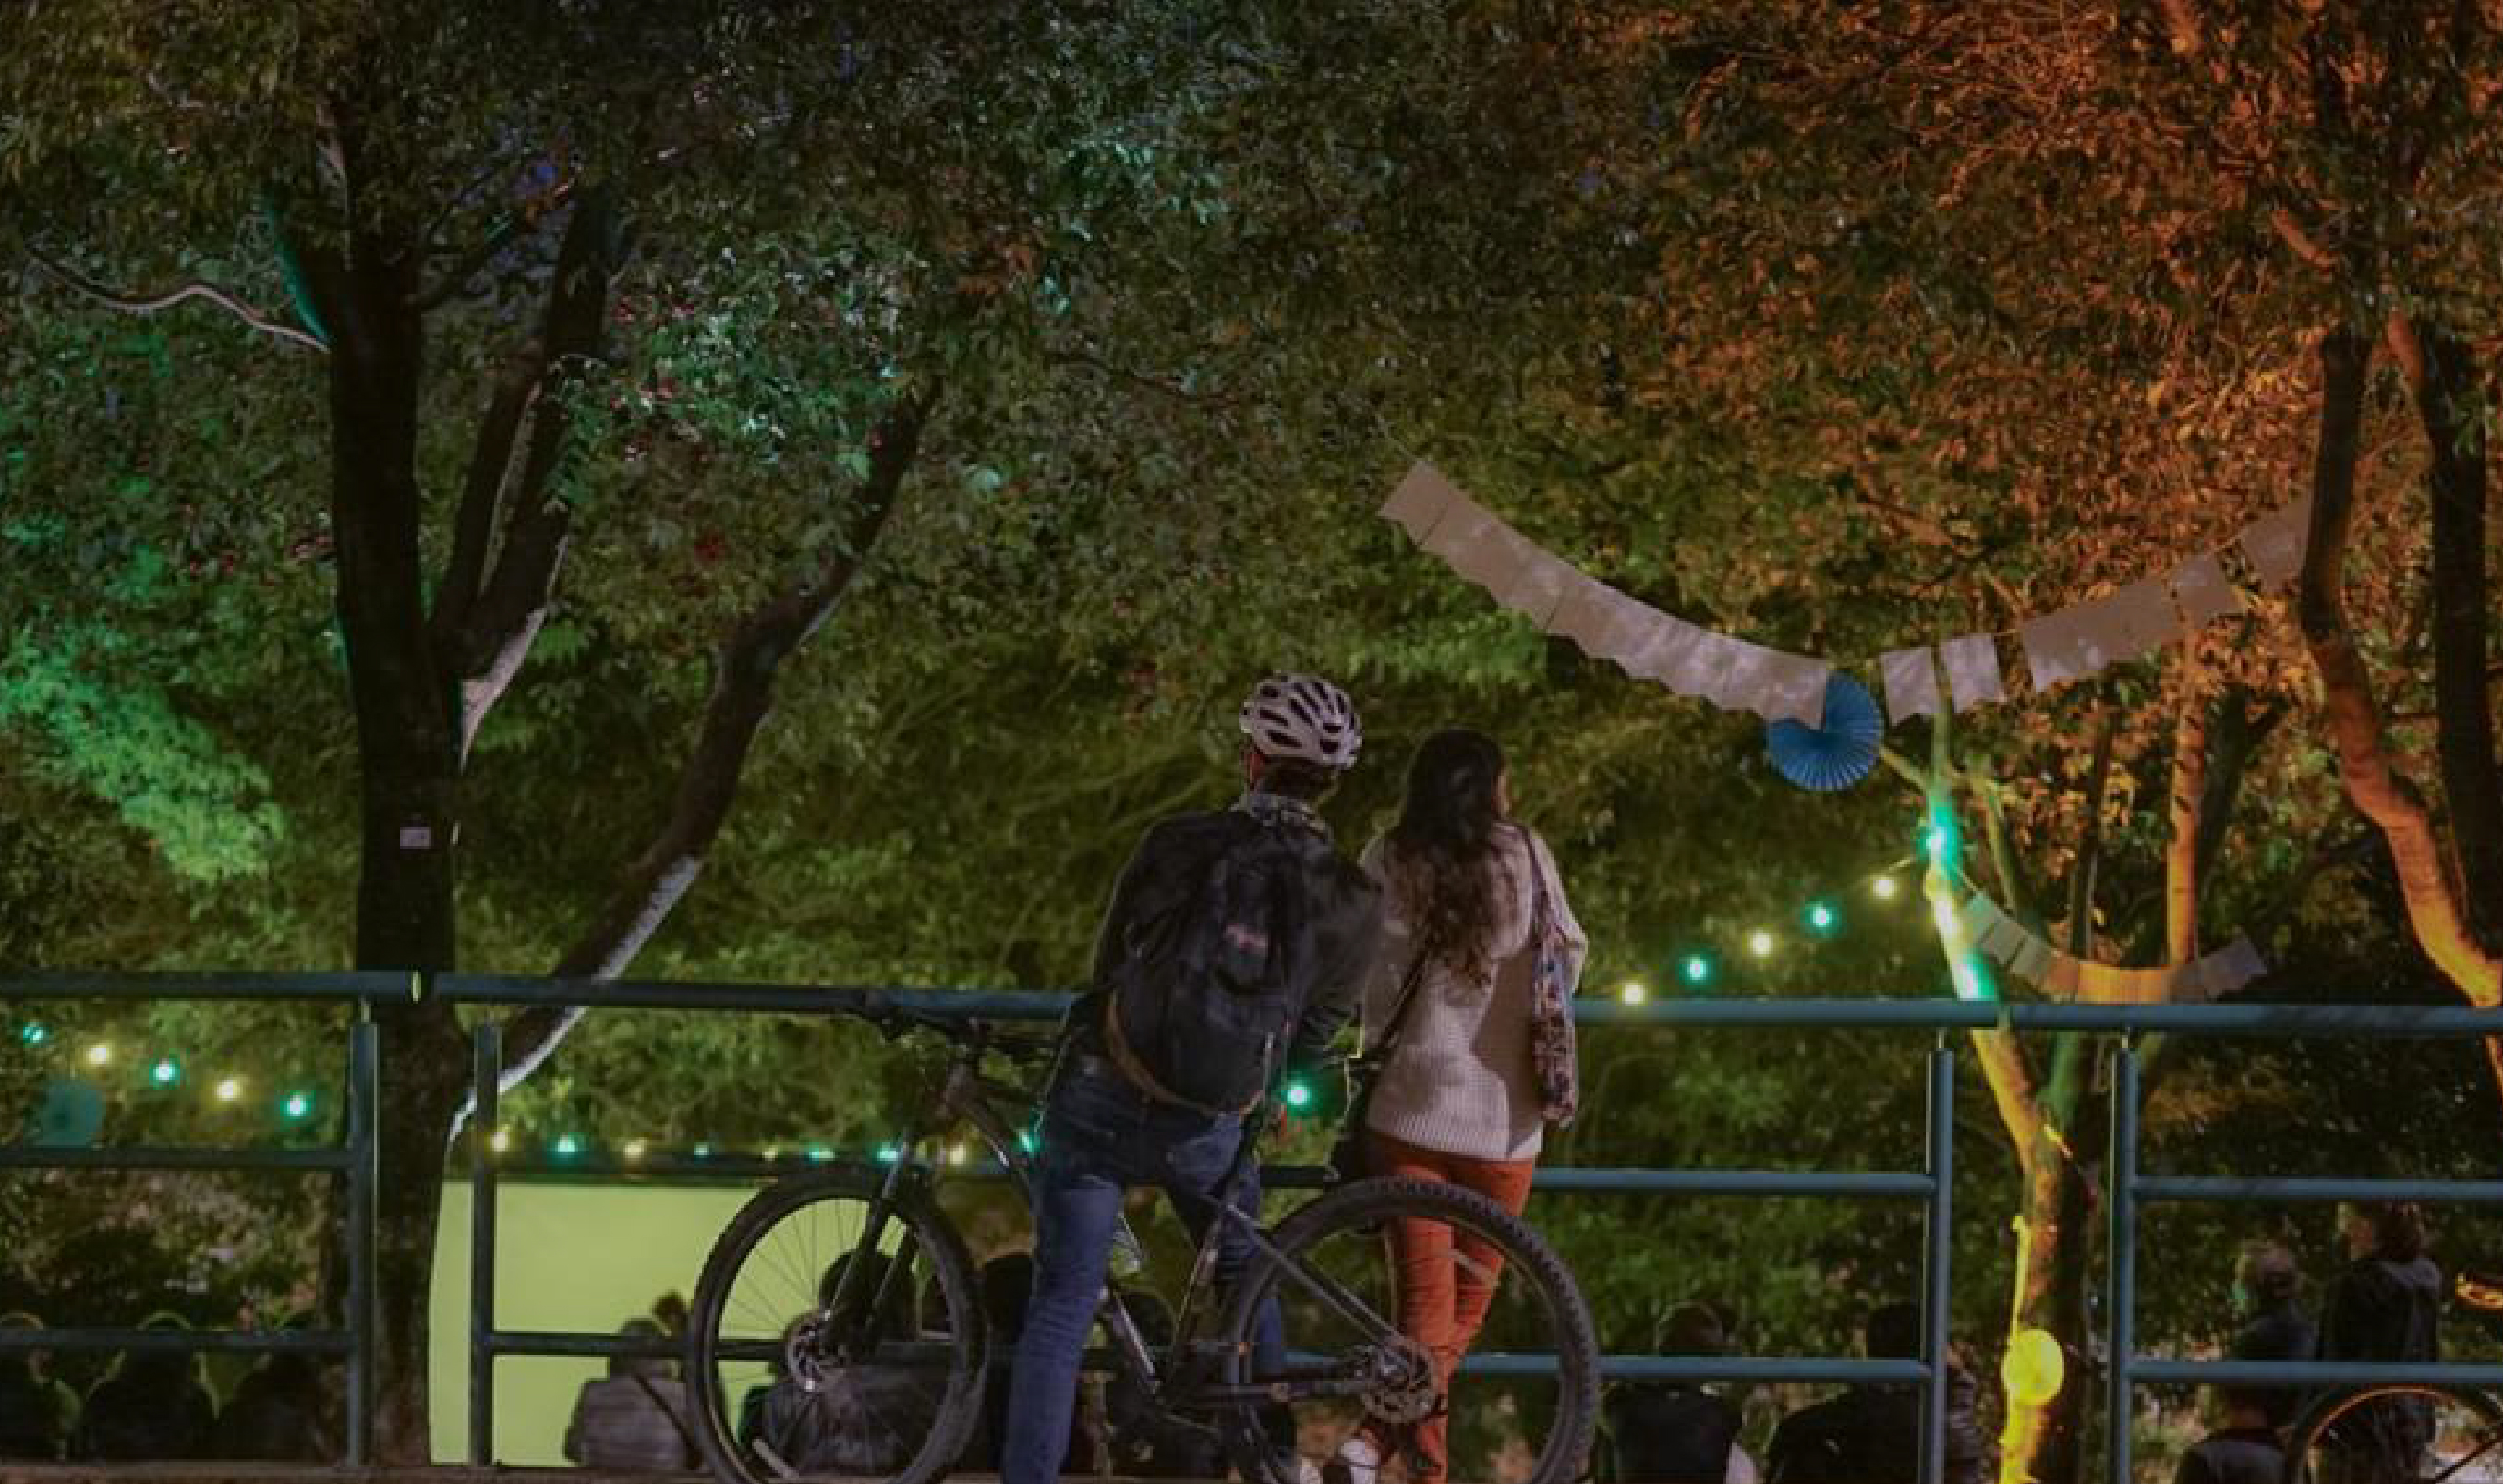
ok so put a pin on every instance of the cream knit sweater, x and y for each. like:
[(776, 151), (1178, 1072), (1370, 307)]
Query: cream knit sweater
[(1460, 1080)]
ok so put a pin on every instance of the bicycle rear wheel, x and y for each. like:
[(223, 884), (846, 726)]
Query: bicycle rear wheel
[(2398, 1434), (805, 1362), (1524, 1405)]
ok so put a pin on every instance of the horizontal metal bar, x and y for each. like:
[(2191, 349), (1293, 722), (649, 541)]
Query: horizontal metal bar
[(564, 1343), (788, 999), (1734, 1182), (1666, 1368), (2228, 1188), (2272, 1019), (160, 1157), (313, 1341), (364, 985), (2311, 1374)]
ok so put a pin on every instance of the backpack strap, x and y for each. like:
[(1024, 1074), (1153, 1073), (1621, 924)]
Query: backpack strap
[(677, 1424)]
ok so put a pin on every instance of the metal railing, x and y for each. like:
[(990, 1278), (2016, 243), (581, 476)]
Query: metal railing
[(352, 1160), (1931, 1184)]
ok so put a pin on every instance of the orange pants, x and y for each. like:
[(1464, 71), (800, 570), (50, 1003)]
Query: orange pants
[(1445, 1279)]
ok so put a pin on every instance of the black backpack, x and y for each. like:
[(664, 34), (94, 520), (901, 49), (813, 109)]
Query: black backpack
[(1209, 980)]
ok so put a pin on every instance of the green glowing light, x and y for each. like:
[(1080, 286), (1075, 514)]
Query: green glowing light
[(1026, 1140), (819, 1153), (34, 1034), (1299, 1094), (703, 1151), (1822, 919), (1697, 969), (567, 1146), (166, 1073), (888, 1154), (297, 1106)]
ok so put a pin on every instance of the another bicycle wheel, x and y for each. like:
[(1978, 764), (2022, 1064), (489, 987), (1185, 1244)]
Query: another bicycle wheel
[(1524, 1405), (808, 1363), (2398, 1434)]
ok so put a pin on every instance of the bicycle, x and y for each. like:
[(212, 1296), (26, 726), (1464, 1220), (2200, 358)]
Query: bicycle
[(837, 1331), (2453, 1434)]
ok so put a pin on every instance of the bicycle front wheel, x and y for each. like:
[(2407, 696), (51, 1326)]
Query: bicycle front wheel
[(1522, 1409), (809, 1360), (2398, 1434)]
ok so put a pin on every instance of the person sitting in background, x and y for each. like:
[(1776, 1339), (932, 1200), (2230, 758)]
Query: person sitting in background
[(280, 1410), (2243, 1449), (1676, 1431), (37, 1413), (634, 1419), (152, 1404), (2274, 1326), (1871, 1434)]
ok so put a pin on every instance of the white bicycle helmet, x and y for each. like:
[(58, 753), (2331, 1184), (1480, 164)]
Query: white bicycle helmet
[(1303, 717)]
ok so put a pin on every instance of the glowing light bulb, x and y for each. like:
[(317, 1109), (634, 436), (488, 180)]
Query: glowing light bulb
[(1633, 992), (1822, 917), (166, 1073), (1299, 1094), (1885, 888), (230, 1090), (1760, 943), (703, 1151), (958, 1153), (567, 1146), (1697, 969), (1026, 1140), (499, 1141), (99, 1055), (819, 1153), (298, 1106), (633, 1149), (770, 1152), (888, 1154), (34, 1033)]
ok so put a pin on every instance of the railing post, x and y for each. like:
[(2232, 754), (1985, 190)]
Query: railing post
[(364, 1097), (1937, 1249), (2121, 1303), (487, 1076)]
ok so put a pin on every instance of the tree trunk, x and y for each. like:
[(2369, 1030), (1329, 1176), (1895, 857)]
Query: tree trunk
[(2452, 400), (2352, 716), (425, 1078)]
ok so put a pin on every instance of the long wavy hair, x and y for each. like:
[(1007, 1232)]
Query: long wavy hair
[(1442, 844)]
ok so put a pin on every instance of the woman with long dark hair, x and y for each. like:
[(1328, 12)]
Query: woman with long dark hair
[(1479, 955)]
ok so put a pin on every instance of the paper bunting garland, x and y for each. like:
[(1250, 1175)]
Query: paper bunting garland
[(2060, 975), (2070, 644)]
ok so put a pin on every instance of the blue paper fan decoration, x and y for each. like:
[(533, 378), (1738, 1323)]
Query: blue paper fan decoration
[(1837, 754)]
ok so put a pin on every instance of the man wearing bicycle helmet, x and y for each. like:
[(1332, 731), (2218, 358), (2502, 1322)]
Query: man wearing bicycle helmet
[(1234, 947)]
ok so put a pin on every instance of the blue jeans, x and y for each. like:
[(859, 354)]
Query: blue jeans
[(1101, 1138)]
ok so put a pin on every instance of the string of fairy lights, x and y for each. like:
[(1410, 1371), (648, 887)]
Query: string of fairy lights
[(1689, 971)]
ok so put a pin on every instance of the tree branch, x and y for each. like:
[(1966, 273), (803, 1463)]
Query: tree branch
[(742, 697), (152, 303), (491, 467), (2385, 795), (497, 626)]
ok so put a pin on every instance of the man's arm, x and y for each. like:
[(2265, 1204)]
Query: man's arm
[(1349, 937)]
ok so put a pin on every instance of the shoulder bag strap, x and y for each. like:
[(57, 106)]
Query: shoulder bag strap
[(677, 1424)]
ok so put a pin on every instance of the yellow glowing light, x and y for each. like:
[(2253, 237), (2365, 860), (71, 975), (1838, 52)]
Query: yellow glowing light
[(1633, 992), (633, 1149), (1885, 888), (499, 1141), (2034, 1368), (99, 1054), (229, 1089), (958, 1153), (1760, 943)]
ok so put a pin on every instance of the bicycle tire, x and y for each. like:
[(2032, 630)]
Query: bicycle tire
[(1364, 1209), (936, 1243), (2304, 1440)]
